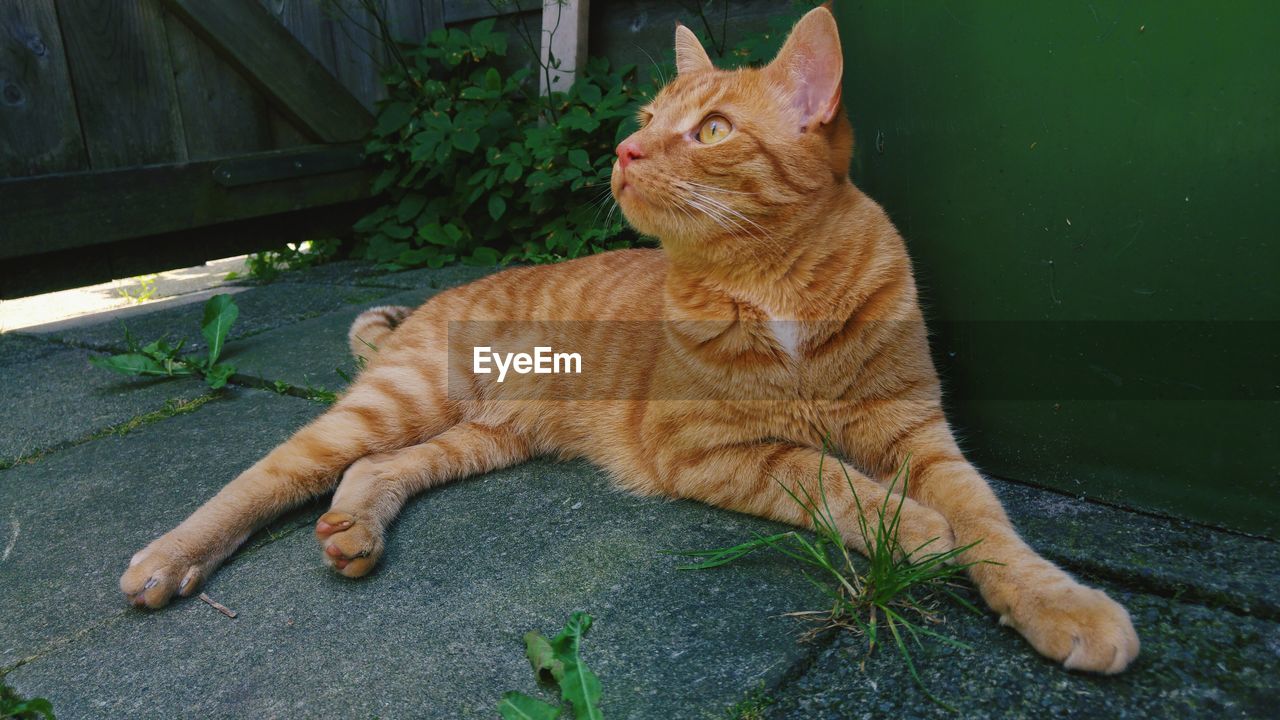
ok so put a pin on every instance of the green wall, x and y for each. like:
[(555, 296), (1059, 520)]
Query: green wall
[(1090, 193)]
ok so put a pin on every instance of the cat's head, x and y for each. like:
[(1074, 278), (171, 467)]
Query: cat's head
[(723, 154)]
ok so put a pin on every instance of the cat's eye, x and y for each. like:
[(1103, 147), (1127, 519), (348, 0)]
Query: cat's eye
[(714, 129)]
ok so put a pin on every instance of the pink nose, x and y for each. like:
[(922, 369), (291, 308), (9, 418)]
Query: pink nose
[(629, 150)]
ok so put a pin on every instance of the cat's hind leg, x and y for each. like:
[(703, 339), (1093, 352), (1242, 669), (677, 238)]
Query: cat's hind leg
[(390, 406), (374, 488)]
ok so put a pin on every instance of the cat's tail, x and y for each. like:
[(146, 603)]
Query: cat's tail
[(373, 326)]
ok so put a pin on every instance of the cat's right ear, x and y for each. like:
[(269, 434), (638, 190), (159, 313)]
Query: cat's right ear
[(809, 67), (690, 57)]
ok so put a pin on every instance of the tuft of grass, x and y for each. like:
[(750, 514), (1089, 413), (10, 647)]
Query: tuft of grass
[(895, 593), (751, 707), (13, 706)]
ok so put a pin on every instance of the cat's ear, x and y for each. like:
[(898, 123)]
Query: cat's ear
[(809, 67), (690, 57)]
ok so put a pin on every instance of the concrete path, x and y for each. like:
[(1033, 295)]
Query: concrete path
[(97, 465)]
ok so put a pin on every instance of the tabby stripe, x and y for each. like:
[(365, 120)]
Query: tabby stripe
[(860, 316), (373, 418), (778, 167), (907, 432)]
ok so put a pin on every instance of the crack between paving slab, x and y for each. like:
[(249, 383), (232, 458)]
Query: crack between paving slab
[(1153, 514), (58, 643), (1177, 592), (173, 407)]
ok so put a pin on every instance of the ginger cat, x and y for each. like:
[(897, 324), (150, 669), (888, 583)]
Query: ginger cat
[(781, 310)]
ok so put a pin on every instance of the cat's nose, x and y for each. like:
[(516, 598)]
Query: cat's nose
[(628, 150)]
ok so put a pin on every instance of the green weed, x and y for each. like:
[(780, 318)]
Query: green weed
[(12, 706), (145, 290), (267, 266), (160, 359), (896, 590), (751, 707), (557, 662)]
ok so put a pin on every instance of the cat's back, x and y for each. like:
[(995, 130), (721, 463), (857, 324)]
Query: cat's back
[(616, 285)]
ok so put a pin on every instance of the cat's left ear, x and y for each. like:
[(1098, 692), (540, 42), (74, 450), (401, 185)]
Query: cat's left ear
[(809, 66), (690, 57)]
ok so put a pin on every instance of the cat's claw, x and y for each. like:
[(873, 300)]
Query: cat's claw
[(351, 547), (1075, 625)]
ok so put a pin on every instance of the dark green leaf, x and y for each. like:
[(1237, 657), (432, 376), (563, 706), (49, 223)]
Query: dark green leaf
[(589, 93), (579, 158), (220, 312), (132, 364), (217, 375), (410, 206), (483, 257), (578, 686), (517, 706), (466, 140), (493, 81), (393, 117), (497, 206)]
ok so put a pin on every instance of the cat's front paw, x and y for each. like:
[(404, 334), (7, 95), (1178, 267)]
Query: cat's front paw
[(1075, 625), (351, 546), (171, 564)]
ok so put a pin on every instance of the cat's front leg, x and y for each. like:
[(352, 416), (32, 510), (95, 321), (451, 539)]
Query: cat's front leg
[(1071, 623), (766, 479)]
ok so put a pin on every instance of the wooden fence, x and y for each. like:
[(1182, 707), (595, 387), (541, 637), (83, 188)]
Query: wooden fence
[(138, 135)]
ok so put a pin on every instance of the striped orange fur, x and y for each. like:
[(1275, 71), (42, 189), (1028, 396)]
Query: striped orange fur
[(781, 310)]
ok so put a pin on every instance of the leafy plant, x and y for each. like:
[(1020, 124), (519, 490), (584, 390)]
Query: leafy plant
[(895, 591), (267, 265), (12, 706), (557, 662), (481, 169), (160, 359), (144, 292)]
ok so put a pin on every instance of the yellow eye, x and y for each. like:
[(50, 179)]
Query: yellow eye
[(714, 129)]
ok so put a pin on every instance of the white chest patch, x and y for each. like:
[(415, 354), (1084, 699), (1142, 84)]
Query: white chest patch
[(787, 333)]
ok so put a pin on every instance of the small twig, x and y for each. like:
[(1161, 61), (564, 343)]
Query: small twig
[(218, 606)]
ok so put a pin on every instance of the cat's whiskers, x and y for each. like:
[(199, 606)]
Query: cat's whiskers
[(689, 184), (755, 231), (728, 224)]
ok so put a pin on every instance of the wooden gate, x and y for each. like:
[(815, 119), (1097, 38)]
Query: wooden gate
[(140, 135)]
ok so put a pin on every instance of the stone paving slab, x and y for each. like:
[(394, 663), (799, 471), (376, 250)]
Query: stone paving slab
[(72, 520), (436, 631), (261, 308), (53, 396), (1170, 557), (1196, 662), (309, 354)]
